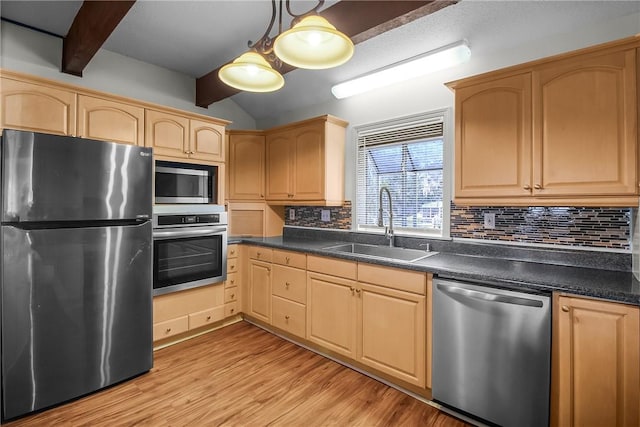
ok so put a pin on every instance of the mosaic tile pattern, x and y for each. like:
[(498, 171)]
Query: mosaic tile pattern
[(569, 226), (310, 216)]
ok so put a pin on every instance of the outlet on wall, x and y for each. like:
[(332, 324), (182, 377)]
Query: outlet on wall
[(325, 215), (490, 220), (292, 214)]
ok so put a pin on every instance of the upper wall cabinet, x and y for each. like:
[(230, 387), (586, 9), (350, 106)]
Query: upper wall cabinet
[(175, 136), (305, 163), (109, 120), (38, 108), (560, 131), (246, 165)]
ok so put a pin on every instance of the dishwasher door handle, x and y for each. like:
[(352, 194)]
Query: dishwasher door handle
[(489, 296)]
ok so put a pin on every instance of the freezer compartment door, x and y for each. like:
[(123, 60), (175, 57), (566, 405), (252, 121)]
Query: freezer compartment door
[(58, 178), (76, 312)]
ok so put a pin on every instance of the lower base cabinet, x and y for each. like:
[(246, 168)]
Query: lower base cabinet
[(595, 363), (182, 311), (289, 316)]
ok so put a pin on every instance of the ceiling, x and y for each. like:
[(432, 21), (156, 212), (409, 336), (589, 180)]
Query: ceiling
[(196, 37)]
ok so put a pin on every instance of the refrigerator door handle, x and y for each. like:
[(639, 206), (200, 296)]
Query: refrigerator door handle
[(489, 296), (192, 232)]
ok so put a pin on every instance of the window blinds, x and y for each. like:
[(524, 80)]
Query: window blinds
[(406, 157)]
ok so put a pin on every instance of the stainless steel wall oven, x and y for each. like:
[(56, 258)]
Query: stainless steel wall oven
[(189, 246)]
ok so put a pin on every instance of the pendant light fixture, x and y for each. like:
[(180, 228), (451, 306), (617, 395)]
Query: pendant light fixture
[(311, 43)]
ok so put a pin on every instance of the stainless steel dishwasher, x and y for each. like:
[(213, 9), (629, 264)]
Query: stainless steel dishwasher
[(491, 352)]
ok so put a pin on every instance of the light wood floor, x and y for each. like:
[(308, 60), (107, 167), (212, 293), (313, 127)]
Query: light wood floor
[(241, 375)]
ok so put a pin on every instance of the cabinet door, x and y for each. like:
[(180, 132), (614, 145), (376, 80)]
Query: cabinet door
[(308, 170), (331, 313), (595, 364), (207, 141), (168, 134), (391, 332), (246, 167), (585, 126), (108, 120), (279, 166), (27, 106), (493, 138), (260, 290)]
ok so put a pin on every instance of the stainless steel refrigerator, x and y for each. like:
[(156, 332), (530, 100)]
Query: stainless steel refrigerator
[(76, 267)]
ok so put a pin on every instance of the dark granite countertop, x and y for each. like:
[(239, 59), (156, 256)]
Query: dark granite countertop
[(619, 286)]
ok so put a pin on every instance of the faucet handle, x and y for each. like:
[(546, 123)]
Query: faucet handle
[(426, 245)]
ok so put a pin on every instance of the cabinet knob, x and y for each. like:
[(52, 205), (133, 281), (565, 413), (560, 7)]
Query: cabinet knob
[(233, 252), (286, 260), (538, 187), (358, 291), (232, 310), (262, 196), (233, 296), (565, 308), (258, 254), (286, 285), (233, 266), (286, 317), (208, 318), (168, 330), (527, 187), (233, 281), (352, 289)]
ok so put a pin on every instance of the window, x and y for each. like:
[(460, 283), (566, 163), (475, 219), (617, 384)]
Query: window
[(408, 157)]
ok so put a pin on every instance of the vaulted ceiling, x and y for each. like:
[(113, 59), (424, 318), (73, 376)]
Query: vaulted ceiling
[(197, 37)]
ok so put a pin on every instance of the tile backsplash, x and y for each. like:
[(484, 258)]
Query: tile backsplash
[(587, 227), (569, 226)]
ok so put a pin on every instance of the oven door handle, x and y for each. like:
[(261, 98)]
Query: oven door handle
[(192, 232)]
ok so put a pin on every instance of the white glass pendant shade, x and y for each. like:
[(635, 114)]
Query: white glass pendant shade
[(252, 73), (313, 43)]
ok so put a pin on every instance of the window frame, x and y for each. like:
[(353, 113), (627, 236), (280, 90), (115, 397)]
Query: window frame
[(447, 171)]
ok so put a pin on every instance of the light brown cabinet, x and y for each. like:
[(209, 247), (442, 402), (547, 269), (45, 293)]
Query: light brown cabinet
[(259, 284), (559, 131), (179, 312), (37, 107), (181, 137), (595, 363), (305, 162), (110, 120), (255, 219), (246, 165), (289, 292), (232, 286)]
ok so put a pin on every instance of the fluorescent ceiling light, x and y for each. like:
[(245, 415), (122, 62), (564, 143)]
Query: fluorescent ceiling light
[(436, 60)]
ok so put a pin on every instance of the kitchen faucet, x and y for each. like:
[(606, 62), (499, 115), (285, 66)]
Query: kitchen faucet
[(388, 231)]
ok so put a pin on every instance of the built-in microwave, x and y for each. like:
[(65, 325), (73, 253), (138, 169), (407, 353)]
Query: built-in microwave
[(185, 183)]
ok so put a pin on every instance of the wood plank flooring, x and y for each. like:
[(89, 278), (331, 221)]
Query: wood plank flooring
[(243, 376)]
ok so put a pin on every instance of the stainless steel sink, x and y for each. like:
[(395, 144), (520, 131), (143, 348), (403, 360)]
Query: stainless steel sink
[(383, 252)]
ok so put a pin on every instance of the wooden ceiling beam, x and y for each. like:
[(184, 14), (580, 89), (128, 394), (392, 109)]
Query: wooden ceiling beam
[(358, 19), (93, 24)]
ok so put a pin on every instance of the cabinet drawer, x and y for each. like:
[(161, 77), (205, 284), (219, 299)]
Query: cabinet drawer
[(230, 295), (291, 259), (232, 280), (232, 251), (231, 309), (260, 253), (332, 266), (205, 317), (232, 265), (289, 283), (288, 316), (171, 327), (404, 280)]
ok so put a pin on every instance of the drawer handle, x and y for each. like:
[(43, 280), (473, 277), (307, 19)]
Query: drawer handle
[(233, 296), (233, 252), (258, 254), (287, 260), (538, 187), (233, 281), (358, 291), (352, 289), (167, 330), (286, 285), (233, 266), (286, 317), (527, 187), (208, 318), (565, 308), (232, 310)]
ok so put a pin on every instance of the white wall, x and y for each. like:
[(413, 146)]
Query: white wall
[(429, 93), (32, 52)]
